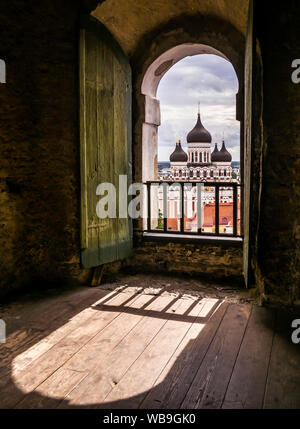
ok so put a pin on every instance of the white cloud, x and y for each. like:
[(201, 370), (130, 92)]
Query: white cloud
[(210, 79)]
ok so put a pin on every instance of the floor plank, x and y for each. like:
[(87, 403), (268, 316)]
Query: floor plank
[(37, 350), (40, 313), (141, 376), (28, 325), (247, 384), (94, 352), (48, 395), (31, 324), (282, 388), (146, 347), (87, 358), (108, 371), (41, 368), (210, 383), (174, 381)]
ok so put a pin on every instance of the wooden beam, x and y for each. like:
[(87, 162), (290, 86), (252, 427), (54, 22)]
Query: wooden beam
[(97, 275)]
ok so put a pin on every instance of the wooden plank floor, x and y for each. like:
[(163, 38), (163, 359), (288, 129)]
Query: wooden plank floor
[(129, 348)]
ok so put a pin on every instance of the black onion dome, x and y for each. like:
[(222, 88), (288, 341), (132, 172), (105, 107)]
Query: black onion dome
[(215, 155), (224, 154), (198, 134), (179, 155)]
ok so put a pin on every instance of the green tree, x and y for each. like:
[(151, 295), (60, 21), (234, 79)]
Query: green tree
[(160, 221)]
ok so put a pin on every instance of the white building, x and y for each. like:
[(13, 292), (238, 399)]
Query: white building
[(190, 198), (200, 163)]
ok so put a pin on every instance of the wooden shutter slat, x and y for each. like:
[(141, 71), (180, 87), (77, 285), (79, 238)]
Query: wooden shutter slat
[(105, 141)]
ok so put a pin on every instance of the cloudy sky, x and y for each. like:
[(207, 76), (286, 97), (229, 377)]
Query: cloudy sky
[(212, 81)]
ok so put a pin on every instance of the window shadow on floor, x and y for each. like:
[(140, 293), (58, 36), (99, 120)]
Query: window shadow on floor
[(182, 384)]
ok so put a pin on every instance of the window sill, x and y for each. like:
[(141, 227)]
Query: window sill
[(192, 238)]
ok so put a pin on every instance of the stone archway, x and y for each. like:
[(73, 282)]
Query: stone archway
[(156, 53), (151, 80)]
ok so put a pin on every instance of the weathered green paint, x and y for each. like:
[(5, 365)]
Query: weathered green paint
[(253, 148), (105, 140), (247, 141)]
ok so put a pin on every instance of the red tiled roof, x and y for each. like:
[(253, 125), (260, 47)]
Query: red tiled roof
[(208, 216)]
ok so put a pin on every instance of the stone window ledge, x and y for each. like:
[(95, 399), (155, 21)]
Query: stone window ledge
[(192, 238)]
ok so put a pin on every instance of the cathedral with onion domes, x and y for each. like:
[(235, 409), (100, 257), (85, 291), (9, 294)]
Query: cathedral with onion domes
[(199, 163)]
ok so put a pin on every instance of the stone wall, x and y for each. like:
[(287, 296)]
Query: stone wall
[(130, 21), (213, 261), (278, 235), (39, 175)]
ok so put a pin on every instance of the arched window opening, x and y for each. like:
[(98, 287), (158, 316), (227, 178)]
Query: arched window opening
[(182, 130)]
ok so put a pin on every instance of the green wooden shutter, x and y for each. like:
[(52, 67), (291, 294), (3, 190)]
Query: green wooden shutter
[(247, 143), (253, 146), (105, 141)]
